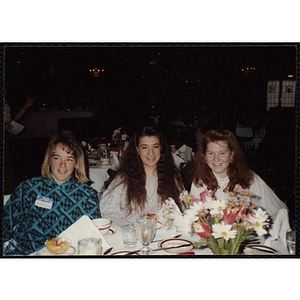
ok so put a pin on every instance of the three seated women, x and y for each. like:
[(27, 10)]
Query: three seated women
[(41, 208)]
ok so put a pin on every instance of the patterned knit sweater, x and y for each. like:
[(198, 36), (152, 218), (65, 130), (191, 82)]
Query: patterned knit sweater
[(26, 226)]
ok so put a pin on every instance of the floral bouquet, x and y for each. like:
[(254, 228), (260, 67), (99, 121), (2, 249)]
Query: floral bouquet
[(120, 139), (223, 224)]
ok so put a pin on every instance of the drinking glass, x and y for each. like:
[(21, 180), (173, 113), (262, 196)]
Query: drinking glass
[(290, 241), (129, 236), (90, 245), (145, 229)]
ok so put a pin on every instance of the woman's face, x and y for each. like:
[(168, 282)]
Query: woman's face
[(218, 157), (149, 150), (62, 164)]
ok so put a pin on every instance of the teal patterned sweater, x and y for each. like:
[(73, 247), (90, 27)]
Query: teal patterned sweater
[(27, 226)]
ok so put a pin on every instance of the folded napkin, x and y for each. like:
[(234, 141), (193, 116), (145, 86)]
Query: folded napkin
[(177, 160), (187, 152), (115, 160), (181, 221), (165, 232), (279, 228), (83, 227)]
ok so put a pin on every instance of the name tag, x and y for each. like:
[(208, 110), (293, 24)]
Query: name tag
[(44, 202)]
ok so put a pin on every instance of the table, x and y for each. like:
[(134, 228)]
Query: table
[(116, 240), (85, 226), (98, 174)]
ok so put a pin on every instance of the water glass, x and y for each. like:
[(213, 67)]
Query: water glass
[(290, 241), (90, 245), (146, 229), (129, 236)]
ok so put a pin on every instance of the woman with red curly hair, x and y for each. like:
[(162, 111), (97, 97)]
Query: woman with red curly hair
[(146, 177), (220, 164)]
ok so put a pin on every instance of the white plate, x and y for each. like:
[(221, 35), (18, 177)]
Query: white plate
[(158, 225), (122, 253), (45, 252), (107, 164), (111, 232), (176, 242), (254, 249)]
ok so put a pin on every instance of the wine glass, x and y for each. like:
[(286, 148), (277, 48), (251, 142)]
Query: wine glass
[(145, 229), (290, 241)]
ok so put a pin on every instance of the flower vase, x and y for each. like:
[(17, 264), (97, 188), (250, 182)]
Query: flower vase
[(222, 247)]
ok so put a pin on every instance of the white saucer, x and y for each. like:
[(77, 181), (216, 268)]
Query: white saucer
[(111, 232), (256, 249), (45, 252)]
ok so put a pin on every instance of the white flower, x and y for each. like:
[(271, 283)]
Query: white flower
[(217, 206), (193, 211), (224, 231), (258, 221), (117, 131)]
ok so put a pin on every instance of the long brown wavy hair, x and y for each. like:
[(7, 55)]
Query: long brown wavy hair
[(238, 170), (133, 176)]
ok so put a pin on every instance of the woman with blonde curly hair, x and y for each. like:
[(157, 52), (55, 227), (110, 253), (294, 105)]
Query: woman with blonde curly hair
[(42, 207), (220, 164), (146, 177), (65, 143)]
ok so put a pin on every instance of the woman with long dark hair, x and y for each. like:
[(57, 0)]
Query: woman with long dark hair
[(220, 164), (146, 177)]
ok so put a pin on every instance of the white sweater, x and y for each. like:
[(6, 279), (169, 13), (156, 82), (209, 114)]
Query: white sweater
[(268, 200), (112, 202)]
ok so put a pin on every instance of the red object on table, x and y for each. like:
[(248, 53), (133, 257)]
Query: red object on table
[(187, 253)]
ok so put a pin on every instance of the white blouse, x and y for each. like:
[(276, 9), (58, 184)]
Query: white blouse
[(267, 198), (112, 202)]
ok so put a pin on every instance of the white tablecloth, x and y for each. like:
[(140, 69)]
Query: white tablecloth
[(114, 238), (82, 227), (117, 240), (99, 175)]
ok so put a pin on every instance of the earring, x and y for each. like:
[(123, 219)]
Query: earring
[(205, 160), (232, 160)]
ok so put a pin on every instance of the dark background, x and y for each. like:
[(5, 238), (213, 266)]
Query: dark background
[(139, 81)]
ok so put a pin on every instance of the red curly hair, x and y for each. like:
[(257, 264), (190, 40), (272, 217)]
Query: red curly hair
[(238, 171)]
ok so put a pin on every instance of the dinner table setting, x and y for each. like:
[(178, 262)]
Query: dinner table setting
[(100, 161), (120, 238), (164, 241), (169, 232)]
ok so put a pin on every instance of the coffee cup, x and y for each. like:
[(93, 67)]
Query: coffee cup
[(103, 225)]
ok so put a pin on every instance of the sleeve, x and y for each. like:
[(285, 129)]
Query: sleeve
[(7, 113), (13, 212), (112, 202), (92, 208), (195, 191), (268, 199)]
